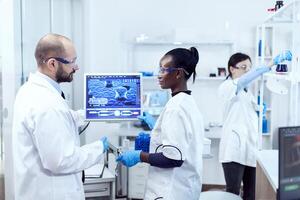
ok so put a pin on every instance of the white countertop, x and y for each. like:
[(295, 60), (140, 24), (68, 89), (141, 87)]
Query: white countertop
[(92, 174), (268, 160)]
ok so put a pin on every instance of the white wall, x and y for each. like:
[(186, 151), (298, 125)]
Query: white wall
[(108, 27), (22, 24), (115, 22), (38, 19)]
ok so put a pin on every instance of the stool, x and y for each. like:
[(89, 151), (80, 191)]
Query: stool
[(218, 195)]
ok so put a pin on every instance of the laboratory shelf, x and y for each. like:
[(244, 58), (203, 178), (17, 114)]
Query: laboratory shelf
[(266, 134), (283, 76), (205, 78), (278, 76), (285, 14), (266, 57), (198, 78), (154, 43), (149, 77)]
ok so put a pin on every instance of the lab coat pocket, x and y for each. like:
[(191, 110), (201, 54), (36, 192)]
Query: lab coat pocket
[(238, 138)]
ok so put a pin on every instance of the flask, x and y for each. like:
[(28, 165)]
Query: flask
[(278, 5)]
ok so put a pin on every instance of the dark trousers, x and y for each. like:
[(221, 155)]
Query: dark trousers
[(235, 173)]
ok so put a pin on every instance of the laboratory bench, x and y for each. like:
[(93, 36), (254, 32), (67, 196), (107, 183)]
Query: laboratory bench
[(96, 188), (267, 175)]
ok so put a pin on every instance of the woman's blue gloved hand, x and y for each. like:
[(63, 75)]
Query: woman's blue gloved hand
[(130, 158), (283, 56), (148, 119), (105, 143)]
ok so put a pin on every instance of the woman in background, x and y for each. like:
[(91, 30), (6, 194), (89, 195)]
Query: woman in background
[(239, 138)]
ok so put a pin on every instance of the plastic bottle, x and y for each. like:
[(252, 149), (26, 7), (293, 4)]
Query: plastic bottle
[(265, 128), (259, 48), (142, 142)]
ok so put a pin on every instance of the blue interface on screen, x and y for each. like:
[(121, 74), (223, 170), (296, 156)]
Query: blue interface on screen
[(289, 162), (112, 97)]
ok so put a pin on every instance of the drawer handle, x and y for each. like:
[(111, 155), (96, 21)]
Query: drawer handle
[(95, 190)]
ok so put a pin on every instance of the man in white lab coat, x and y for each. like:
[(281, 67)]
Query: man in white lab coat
[(48, 160)]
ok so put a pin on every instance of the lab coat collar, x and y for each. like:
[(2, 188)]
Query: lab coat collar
[(50, 80), (189, 92), (41, 79)]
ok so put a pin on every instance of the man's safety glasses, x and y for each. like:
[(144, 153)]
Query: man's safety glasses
[(62, 60), (163, 70)]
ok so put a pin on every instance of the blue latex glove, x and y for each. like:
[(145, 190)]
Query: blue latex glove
[(148, 119), (105, 144), (130, 158), (283, 56)]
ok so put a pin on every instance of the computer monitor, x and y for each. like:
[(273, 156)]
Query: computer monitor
[(112, 96), (289, 163)]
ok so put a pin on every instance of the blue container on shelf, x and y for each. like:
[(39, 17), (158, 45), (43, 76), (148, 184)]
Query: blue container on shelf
[(142, 142), (146, 73), (259, 47), (265, 128)]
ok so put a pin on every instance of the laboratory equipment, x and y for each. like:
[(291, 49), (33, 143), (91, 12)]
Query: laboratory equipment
[(113, 149), (289, 163), (96, 187), (265, 128), (146, 73), (281, 68), (278, 5), (112, 96), (221, 71), (170, 149), (154, 101), (142, 142), (122, 174)]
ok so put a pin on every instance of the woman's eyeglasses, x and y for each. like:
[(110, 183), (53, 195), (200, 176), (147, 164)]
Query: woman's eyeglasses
[(243, 67), (163, 70)]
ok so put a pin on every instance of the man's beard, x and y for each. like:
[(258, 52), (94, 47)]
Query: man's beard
[(62, 76)]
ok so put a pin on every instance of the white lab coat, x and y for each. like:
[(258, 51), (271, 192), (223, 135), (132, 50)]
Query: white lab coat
[(240, 127), (180, 124), (47, 156)]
